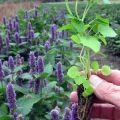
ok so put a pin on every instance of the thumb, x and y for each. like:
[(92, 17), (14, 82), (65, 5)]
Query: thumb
[(105, 90)]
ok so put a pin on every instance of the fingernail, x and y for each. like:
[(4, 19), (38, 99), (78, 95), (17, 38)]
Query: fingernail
[(95, 81)]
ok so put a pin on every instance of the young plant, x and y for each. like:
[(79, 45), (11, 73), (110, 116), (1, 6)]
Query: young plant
[(89, 37)]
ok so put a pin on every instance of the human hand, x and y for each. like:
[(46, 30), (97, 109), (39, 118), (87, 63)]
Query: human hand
[(106, 88)]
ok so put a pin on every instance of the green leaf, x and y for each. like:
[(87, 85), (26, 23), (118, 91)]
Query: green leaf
[(79, 80), (73, 72), (106, 70), (76, 39), (106, 31), (65, 27), (19, 68), (5, 117), (74, 86), (103, 40), (25, 103), (88, 91), (78, 25), (26, 76), (36, 35), (91, 42), (102, 20), (48, 69), (95, 65)]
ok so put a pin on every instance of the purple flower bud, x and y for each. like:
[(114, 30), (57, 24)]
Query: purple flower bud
[(31, 34), (14, 23), (11, 63), (62, 14), (55, 114), (17, 38), (7, 42), (4, 20), (37, 86), (68, 114), (17, 27), (29, 26), (2, 75), (30, 83), (1, 42), (71, 44), (10, 25), (74, 111), (40, 64), (47, 45), (53, 31), (32, 60), (18, 60), (11, 96), (59, 72)]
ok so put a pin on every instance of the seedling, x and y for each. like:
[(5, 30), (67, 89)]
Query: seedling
[(89, 36)]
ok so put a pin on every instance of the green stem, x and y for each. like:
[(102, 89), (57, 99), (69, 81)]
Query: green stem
[(1, 84), (68, 8), (76, 9)]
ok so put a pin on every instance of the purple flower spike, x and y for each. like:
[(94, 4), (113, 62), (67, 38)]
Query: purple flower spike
[(53, 31), (68, 114), (59, 72), (1, 42), (17, 27), (55, 114), (18, 60), (74, 111), (29, 26), (7, 42), (11, 96), (10, 25), (8, 34), (71, 44), (30, 83), (47, 45), (2, 75), (31, 34), (11, 63), (32, 60), (40, 64), (4, 20), (37, 86), (17, 38)]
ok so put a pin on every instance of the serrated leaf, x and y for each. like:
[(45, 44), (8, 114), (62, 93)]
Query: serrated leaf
[(106, 70), (73, 72), (106, 31), (25, 103), (26, 76), (19, 68), (65, 27), (95, 65)]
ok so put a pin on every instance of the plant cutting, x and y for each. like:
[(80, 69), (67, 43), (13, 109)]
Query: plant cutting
[(89, 36)]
